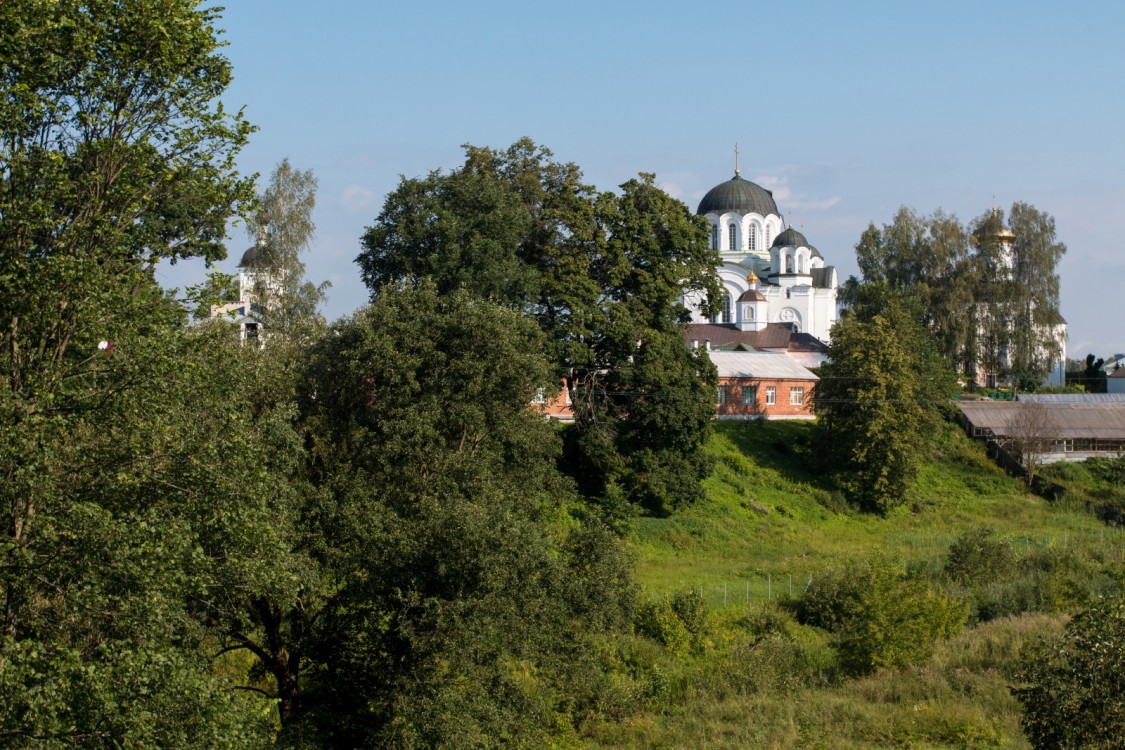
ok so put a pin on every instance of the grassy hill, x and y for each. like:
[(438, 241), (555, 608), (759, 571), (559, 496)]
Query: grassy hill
[(770, 525)]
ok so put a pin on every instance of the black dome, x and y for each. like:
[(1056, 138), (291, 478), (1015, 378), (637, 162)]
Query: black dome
[(738, 195), (254, 256), (792, 238)]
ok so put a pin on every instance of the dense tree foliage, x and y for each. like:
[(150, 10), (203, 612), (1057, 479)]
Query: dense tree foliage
[(122, 513), (1073, 688), (989, 292), (879, 401), (602, 275), (206, 544), (456, 576), (154, 501)]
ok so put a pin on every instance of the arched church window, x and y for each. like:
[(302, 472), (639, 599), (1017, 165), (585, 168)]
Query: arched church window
[(769, 232), (753, 237), (733, 242), (726, 306), (788, 264), (714, 236)]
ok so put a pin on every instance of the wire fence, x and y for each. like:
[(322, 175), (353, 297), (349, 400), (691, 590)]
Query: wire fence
[(925, 555)]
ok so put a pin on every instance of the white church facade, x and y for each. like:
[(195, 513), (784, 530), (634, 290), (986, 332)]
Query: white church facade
[(772, 277)]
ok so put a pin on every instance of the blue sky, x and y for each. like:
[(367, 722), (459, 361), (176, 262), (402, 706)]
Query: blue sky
[(845, 110)]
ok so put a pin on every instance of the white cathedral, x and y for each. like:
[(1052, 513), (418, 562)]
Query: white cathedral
[(773, 278)]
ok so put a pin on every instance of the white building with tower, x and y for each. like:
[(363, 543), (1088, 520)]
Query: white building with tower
[(256, 279), (772, 276)]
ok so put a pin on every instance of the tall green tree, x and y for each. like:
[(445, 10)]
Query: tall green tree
[(1018, 297), (988, 293), (456, 574), (114, 155), (283, 224), (155, 502), (644, 408), (119, 512), (879, 401), (601, 274)]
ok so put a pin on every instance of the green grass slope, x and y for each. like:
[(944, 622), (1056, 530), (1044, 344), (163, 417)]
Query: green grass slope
[(770, 523), (770, 520)]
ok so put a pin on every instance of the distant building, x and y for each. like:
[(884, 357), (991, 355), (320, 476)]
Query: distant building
[(770, 275), (762, 385), (1116, 362), (557, 407), (1079, 429), (1115, 381), (777, 338), (255, 279)]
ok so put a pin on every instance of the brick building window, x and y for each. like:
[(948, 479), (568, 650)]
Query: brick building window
[(797, 396), (749, 395), (771, 395), (722, 394)]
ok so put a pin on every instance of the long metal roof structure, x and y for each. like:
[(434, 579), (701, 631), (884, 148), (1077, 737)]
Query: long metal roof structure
[(1101, 421), (1073, 398)]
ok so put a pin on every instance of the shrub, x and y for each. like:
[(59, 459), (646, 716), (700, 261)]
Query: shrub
[(772, 663), (680, 623), (1111, 471), (978, 557), (766, 618), (1073, 688), (879, 616), (1033, 592), (692, 611)]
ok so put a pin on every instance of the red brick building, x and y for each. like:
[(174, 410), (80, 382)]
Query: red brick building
[(752, 384), (762, 385)]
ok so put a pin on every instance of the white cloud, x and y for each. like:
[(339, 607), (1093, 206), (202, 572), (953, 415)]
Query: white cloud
[(787, 200), (357, 198), (673, 190)]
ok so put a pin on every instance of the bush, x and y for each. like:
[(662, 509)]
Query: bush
[(978, 557), (1073, 688), (879, 616), (772, 663), (680, 623), (692, 611), (1111, 471)]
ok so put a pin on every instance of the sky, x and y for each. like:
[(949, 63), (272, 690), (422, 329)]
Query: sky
[(847, 111)]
